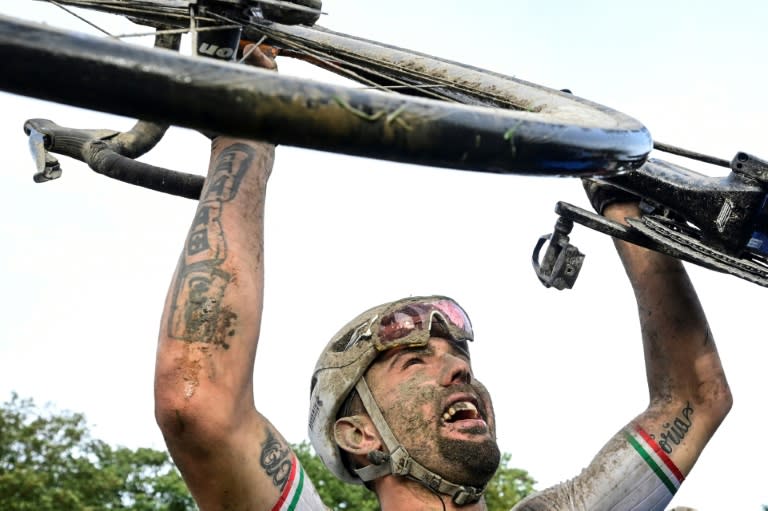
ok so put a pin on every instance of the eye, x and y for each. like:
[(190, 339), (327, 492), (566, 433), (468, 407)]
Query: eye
[(412, 361)]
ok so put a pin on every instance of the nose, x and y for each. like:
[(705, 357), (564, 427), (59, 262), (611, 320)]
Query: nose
[(456, 370)]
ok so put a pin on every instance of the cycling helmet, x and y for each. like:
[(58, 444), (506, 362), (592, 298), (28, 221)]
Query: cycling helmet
[(342, 366)]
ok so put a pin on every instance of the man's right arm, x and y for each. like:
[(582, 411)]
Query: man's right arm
[(230, 456)]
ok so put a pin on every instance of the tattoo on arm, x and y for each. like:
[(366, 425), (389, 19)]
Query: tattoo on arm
[(196, 312), (276, 460), (674, 432)]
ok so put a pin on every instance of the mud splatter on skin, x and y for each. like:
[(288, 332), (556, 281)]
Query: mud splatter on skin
[(225, 327), (414, 409), (196, 359), (189, 367)]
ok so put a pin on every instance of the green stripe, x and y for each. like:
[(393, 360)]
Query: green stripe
[(652, 463), (297, 495)]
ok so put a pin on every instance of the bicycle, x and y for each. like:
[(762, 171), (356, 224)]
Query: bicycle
[(726, 235)]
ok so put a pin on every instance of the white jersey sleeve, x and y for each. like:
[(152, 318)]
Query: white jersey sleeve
[(631, 473), (299, 494)]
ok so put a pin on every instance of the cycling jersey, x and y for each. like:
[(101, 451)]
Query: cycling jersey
[(631, 473), (299, 494)]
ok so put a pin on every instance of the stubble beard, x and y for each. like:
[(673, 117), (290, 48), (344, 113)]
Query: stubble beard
[(469, 463), (465, 462)]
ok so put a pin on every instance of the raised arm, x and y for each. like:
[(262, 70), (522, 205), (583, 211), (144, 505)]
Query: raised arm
[(689, 394), (643, 465), (227, 452)]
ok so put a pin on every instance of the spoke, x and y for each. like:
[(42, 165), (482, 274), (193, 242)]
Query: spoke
[(250, 51), (81, 18), (193, 29), (393, 87), (169, 12), (428, 85), (327, 60), (172, 31)]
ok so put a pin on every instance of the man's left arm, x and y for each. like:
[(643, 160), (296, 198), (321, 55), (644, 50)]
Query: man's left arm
[(643, 465)]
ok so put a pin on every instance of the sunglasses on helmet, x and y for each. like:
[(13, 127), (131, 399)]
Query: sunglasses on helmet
[(412, 324)]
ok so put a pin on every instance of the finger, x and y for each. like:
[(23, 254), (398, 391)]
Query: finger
[(255, 55)]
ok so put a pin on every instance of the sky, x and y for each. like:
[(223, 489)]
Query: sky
[(86, 261)]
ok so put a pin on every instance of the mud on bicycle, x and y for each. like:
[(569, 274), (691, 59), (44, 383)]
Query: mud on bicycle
[(718, 223)]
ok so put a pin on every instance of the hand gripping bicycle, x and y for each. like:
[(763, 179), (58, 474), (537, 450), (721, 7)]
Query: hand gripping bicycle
[(720, 223)]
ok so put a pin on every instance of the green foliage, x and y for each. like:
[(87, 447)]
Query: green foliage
[(337, 495), (508, 486), (48, 462)]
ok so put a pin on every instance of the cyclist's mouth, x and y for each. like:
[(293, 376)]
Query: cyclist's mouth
[(464, 414)]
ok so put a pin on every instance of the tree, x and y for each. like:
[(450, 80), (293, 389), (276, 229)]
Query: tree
[(508, 486), (49, 462)]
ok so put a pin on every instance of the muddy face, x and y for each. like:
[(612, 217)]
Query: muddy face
[(437, 410)]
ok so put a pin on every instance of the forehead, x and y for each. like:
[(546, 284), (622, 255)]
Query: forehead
[(435, 346)]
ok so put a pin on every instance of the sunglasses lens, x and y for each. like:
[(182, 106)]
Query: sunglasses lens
[(400, 323), (455, 315), (411, 324)]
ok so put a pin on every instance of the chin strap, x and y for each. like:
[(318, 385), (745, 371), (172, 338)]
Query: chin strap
[(401, 463)]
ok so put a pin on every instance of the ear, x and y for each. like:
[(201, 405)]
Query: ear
[(357, 435)]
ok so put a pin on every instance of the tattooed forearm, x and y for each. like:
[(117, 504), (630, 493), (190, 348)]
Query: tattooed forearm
[(197, 314), (276, 459), (674, 432)]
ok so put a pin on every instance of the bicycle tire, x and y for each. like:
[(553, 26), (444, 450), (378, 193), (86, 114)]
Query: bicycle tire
[(363, 123)]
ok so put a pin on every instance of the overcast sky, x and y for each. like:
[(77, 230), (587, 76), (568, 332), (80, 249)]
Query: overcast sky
[(85, 261)]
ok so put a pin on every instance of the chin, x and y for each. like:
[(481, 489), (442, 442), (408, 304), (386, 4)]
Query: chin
[(471, 462)]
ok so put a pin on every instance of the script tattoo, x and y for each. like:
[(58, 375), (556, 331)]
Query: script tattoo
[(674, 432), (197, 314), (276, 460)]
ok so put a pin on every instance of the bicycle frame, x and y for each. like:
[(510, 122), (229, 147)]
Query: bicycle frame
[(720, 223), (550, 133)]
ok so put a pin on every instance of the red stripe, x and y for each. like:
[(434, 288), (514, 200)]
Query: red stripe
[(658, 450), (288, 484)]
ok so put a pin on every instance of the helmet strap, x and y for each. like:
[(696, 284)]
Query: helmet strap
[(401, 463)]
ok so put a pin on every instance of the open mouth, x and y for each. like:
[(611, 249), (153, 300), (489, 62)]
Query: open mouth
[(462, 410)]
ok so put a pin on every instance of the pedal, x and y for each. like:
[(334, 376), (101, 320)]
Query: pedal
[(562, 261)]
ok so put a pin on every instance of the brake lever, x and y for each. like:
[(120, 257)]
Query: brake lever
[(47, 166)]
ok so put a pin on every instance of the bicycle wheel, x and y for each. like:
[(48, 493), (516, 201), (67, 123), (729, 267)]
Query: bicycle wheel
[(549, 132)]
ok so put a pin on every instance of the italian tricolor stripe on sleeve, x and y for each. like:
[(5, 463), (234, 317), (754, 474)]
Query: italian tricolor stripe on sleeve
[(292, 490), (656, 458)]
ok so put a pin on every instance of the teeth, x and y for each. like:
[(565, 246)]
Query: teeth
[(457, 407), (465, 405)]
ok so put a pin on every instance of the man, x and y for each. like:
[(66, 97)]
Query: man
[(394, 402)]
